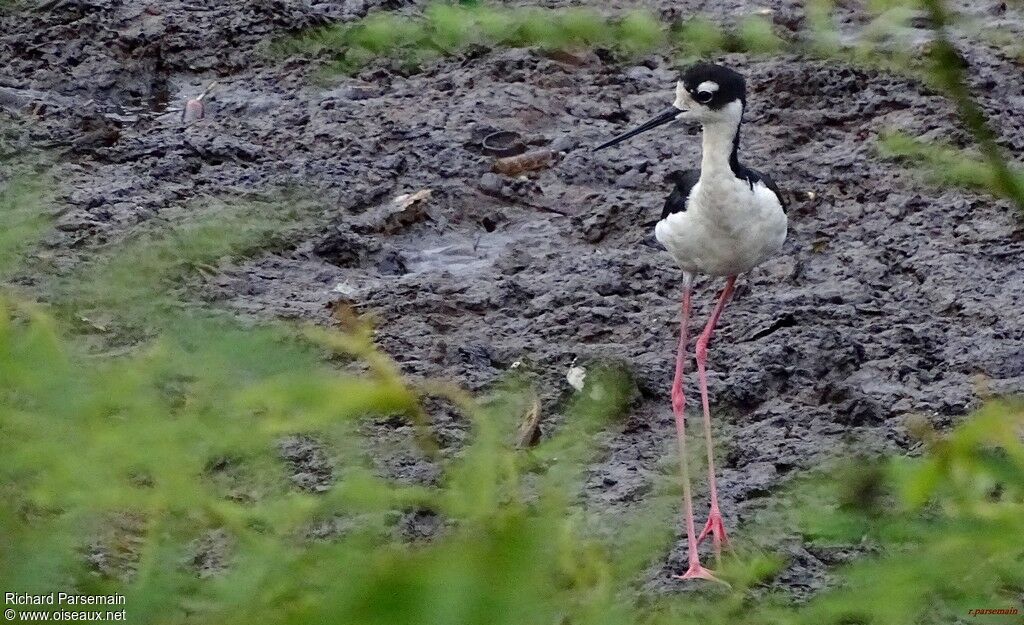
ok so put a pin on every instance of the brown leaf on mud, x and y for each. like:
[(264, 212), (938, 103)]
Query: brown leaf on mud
[(577, 59), (529, 432), (347, 315), (515, 165)]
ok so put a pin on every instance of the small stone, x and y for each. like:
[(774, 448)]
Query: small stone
[(393, 264), (576, 377), (490, 183), (564, 144), (193, 111)]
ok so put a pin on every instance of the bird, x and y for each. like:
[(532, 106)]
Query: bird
[(720, 220)]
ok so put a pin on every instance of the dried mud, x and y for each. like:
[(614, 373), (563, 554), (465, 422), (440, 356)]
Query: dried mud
[(890, 298)]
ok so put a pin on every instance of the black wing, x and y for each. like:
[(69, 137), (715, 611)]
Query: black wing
[(768, 182), (684, 181), (752, 176)]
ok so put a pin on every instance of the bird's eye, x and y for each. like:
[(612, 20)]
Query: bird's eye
[(704, 96)]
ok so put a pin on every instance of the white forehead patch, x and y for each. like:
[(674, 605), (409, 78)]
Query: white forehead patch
[(681, 96), (708, 85)]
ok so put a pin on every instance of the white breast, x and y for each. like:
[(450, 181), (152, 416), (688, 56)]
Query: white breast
[(727, 229)]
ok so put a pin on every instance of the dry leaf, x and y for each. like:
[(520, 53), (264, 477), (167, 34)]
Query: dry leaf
[(529, 431), (408, 199)]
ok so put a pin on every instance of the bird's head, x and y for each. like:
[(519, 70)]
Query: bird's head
[(705, 93)]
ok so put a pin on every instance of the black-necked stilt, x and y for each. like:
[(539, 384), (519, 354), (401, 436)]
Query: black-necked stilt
[(722, 220)]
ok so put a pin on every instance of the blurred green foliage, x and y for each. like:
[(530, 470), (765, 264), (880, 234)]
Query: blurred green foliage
[(757, 36), (137, 286), (945, 164), (948, 71), (24, 198), (119, 467), (23, 194), (143, 438), (946, 527), (446, 29), (699, 37)]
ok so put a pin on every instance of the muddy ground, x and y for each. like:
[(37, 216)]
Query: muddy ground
[(890, 298)]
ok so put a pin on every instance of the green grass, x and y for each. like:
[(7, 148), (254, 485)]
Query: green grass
[(699, 37), (86, 438), (23, 200), (445, 30), (947, 165), (129, 290), (141, 436), (137, 436), (757, 35), (950, 75)]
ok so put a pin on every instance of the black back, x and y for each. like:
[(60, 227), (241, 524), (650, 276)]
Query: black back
[(677, 200), (684, 181), (753, 176), (731, 87)]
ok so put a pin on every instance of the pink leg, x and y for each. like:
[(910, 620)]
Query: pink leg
[(714, 526), (678, 409)]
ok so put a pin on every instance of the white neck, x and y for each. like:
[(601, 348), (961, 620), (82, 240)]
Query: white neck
[(718, 134), (717, 147)]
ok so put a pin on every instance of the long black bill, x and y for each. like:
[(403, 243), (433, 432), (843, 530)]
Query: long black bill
[(660, 120)]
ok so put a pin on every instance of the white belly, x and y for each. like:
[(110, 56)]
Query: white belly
[(727, 228)]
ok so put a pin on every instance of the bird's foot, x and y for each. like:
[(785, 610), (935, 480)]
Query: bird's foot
[(696, 571), (716, 528)]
